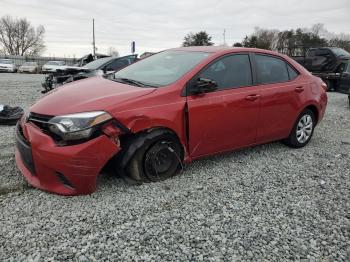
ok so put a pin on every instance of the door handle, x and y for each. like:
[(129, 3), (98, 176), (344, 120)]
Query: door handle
[(299, 89), (252, 97)]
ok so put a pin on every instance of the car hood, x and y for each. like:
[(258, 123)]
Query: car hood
[(7, 65), (74, 69), (92, 94)]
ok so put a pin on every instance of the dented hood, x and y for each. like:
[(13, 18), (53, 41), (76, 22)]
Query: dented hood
[(93, 94)]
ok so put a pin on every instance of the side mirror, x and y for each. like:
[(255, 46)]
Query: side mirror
[(203, 85)]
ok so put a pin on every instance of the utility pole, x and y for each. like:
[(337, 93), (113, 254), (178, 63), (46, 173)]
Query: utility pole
[(93, 38), (224, 36)]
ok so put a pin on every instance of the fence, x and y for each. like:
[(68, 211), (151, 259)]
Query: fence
[(19, 60)]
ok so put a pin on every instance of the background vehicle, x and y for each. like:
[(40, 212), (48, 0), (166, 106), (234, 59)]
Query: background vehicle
[(98, 67), (52, 66), (175, 106), (7, 65), (88, 59), (29, 67), (327, 63)]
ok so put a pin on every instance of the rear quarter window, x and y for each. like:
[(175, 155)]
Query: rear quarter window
[(292, 72), (271, 69)]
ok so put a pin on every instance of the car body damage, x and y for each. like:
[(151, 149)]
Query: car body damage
[(163, 111), (102, 66)]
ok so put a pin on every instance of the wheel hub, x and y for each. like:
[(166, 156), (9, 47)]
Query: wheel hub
[(304, 129)]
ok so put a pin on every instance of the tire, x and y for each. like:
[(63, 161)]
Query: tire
[(159, 158), (302, 131)]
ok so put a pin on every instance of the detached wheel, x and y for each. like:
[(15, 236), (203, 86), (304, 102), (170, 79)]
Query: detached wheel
[(302, 131), (159, 158)]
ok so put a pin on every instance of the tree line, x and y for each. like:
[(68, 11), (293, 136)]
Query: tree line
[(291, 42), (19, 37)]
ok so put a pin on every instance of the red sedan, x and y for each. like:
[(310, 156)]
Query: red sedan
[(168, 109)]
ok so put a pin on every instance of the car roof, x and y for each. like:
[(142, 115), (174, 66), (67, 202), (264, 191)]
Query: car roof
[(224, 49)]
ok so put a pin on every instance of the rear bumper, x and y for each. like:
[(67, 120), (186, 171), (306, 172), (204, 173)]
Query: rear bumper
[(68, 170)]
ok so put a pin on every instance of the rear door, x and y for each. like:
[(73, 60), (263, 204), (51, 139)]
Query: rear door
[(226, 118), (281, 96)]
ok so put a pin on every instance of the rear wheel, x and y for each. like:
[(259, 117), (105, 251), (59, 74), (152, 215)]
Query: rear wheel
[(157, 159), (302, 131)]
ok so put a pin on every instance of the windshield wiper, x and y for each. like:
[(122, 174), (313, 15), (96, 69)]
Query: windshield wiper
[(131, 81)]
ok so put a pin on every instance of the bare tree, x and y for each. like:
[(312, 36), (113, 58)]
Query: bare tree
[(112, 51), (19, 37)]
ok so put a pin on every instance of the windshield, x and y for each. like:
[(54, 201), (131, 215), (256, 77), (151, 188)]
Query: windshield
[(6, 61), (97, 64), (163, 68), (340, 52)]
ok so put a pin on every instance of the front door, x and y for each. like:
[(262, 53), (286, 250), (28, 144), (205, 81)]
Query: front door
[(226, 118)]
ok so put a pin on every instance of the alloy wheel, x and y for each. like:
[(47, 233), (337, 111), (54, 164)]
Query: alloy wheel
[(304, 129)]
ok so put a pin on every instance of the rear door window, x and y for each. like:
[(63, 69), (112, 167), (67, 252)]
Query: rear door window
[(271, 69)]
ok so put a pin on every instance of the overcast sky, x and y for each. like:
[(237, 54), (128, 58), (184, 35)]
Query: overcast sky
[(161, 24)]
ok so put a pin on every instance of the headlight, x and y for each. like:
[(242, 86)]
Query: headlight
[(77, 126)]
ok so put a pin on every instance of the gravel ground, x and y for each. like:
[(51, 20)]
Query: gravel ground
[(267, 203)]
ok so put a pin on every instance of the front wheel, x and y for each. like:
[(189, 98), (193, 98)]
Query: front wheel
[(157, 159), (302, 130)]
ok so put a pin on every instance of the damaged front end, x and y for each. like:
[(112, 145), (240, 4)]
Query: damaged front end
[(65, 154), (64, 76)]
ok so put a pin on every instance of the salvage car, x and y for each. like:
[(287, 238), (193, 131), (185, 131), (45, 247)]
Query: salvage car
[(52, 66), (7, 65), (29, 67), (168, 109), (100, 66)]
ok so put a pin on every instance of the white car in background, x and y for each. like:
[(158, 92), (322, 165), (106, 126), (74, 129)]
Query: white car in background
[(7, 65), (52, 66), (29, 67)]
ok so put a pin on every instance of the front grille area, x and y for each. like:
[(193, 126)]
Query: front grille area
[(64, 180), (42, 121)]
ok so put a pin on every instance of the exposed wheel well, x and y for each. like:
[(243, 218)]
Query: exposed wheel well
[(131, 142), (314, 110)]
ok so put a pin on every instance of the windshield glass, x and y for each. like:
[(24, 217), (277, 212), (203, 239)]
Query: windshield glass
[(340, 52), (29, 64), (163, 68), (94, 65), (6, 61)]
